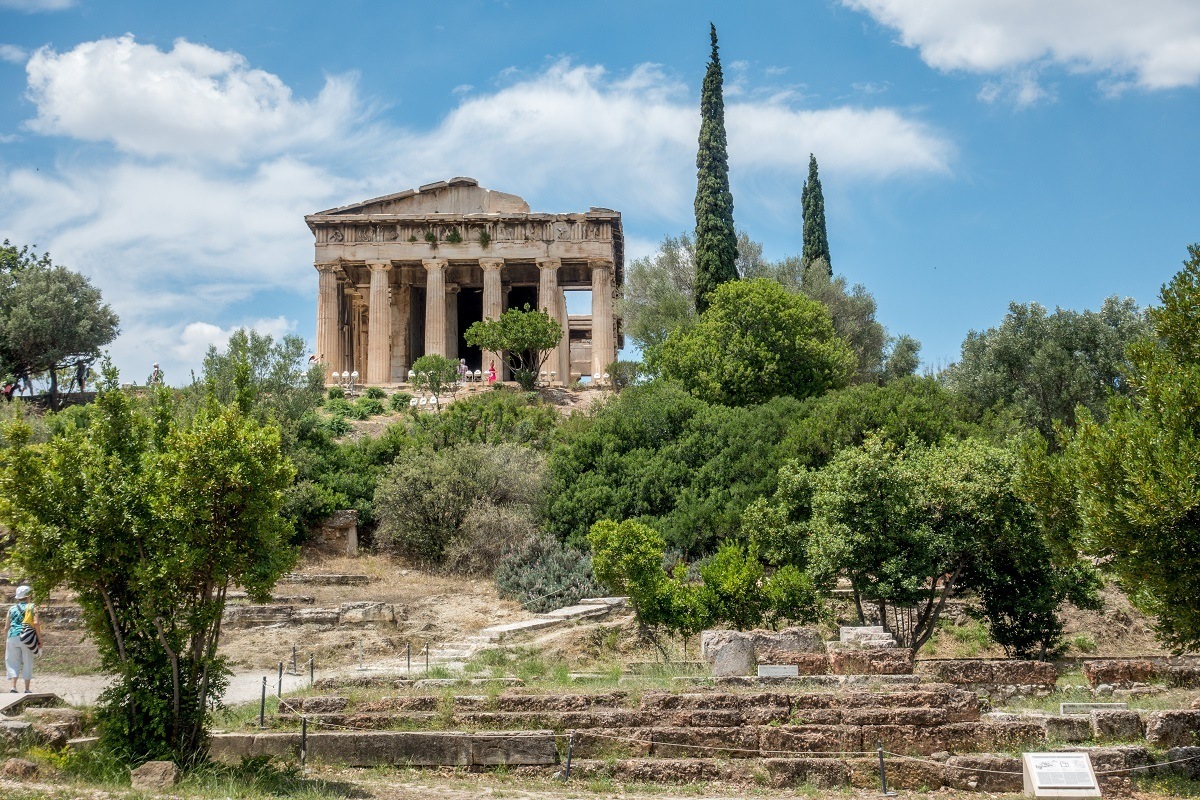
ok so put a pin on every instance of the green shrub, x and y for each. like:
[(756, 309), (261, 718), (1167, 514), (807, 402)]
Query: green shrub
[(368, 407), (339, 407), (337, 426), (375, 393), (543, 574), (399, 401), (336, 393)]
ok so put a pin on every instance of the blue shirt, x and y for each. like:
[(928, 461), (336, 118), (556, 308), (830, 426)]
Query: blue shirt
[(16, 619)]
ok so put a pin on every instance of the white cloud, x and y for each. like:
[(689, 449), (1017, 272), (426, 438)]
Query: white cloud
[(188, 102), (13, 54), (1022, 90), (197, 212), (33, 6), (1153, 44)]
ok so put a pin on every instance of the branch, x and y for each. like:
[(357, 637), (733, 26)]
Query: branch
[(931, 614), (112, 617)]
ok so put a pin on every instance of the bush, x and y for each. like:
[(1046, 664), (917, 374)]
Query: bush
[(337, 426), (543, 574), (336, 393), (399, 401), (375, 393), (432, 503), (368, 407), (339, 407), (487, 533)]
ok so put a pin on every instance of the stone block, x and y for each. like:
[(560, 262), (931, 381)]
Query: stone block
[(820, 773), (319, 705), (959, 671), (1117, 724), (1067, 728), (875, 661), (154, 776), (389, 748), (736, 652), (1120, 672), (778, 671), (18, 769), (901, 774), (805, 663), (670, 770), (792, 739), (253, 616), (1088, 708), (365, 613), (315, 616), (67, 720), (14, 731), (1177, 728), (1188, 761), (997, 735), (1182, 677), (984, 773), (740, 742)]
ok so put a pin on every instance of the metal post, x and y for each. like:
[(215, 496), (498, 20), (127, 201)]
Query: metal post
[(408, 656), (262, 705), (427, 658), (279, 686), (295, 671), (570, 752), (882, 772), (360, 656), (311, 656), (303, 741)]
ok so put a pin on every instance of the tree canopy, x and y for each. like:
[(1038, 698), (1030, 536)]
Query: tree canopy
[(1137, 475), (1043, 365), (51, 319), (527, 336), (150, 519), (812, 205), (757, 341), (716, 239)]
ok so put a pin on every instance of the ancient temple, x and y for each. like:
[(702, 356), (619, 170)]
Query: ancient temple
[(406, 274)]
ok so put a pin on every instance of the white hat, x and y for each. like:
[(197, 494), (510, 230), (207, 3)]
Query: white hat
[(24, 591)]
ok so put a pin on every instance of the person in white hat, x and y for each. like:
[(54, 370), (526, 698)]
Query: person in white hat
[(18, 656)]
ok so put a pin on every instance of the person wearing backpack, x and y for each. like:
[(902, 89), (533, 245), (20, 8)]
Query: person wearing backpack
[(22, 638)]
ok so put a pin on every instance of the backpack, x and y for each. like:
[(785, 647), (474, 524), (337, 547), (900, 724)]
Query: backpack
[(28, 635)]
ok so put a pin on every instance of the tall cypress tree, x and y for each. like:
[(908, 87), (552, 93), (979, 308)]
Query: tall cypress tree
[(812, 205), (716, 240)]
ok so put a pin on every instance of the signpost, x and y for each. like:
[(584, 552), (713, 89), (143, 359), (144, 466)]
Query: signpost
[(1066, 775)]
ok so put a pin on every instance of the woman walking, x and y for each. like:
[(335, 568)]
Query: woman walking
[(18, 654)]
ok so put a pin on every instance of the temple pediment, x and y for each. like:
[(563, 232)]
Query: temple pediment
[(458, 196)]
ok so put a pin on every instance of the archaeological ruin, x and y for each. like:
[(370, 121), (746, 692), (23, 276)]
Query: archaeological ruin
[(405, 275)]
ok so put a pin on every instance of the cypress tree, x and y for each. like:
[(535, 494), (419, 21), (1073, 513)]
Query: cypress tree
[(812, 205), (716, 240)]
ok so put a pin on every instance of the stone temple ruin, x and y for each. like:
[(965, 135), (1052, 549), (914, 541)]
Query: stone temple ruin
[(405, 275)]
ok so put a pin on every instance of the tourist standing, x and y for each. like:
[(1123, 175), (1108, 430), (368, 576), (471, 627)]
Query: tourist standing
[(18, 656), (492, 373)]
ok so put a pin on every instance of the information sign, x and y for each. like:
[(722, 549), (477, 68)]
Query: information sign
[(1067, 775)]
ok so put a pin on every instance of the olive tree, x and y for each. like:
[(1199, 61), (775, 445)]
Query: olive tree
[(527, 336)]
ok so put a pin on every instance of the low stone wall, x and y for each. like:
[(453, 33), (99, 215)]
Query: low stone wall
[(997, 678), (358, 613), (395, 748), (1125, 673)]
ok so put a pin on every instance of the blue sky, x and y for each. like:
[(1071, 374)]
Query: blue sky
[(972, 152)]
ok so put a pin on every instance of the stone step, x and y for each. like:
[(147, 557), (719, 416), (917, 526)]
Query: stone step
[(395, 748), (577, 612), (497, 632), (324, 579)]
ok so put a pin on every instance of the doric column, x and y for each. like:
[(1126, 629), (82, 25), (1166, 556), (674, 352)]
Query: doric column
[(379, 326), (401, 310), (329, 349), (493, 307), (435, 306), (452, 320), (564, 349), (603, 344), (548, 301)]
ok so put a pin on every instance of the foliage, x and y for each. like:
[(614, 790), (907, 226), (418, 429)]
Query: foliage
[(336, 393), (656, 454), (526, 336), (734, 587), (1045, 365), (369, 406), (812, 205), (435, 374), (908, 409), (51, 319), (623, 374), (399, 401), (375, 393), (716, 239), (910, 528), (494, 417), (425, 499), (1137, 476), (273, 378), (149, 519), (543, 574), (757, 341)]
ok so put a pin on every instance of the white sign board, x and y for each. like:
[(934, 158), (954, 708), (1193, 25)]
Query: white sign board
[(1067, 775), (778, 671)]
